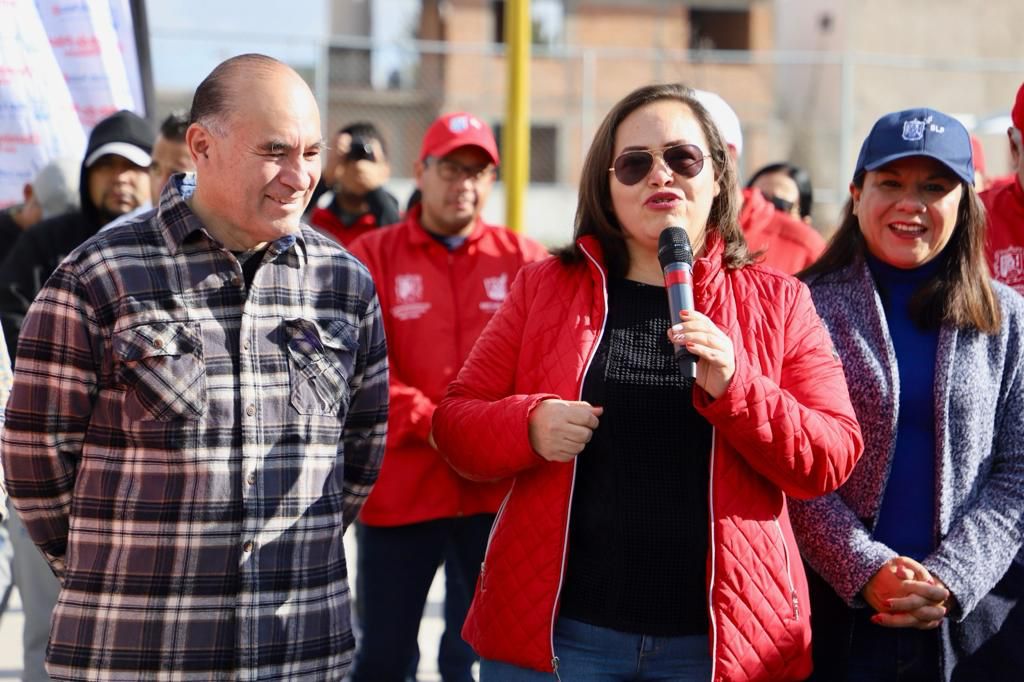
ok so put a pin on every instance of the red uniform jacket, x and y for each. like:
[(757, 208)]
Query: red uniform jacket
[(789, 245), (435, 303), (324, 220), (1005, 244), (784, 426)]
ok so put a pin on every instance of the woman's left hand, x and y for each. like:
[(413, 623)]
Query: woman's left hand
[(713, 348), (906, 595)]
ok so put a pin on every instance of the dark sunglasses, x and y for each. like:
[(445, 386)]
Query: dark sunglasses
[(683, 159), (780, 204)]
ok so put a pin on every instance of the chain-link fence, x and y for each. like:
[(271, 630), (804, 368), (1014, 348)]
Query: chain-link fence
[(810, 108)]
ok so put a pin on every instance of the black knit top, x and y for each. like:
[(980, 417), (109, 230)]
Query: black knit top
[(638, 536)]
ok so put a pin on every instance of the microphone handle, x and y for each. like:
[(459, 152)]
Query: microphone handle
[(680, 297)]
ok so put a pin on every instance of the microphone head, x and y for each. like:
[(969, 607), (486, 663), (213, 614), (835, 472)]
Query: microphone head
[(674, 247)]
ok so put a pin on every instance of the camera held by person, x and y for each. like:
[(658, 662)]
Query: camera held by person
[(355, 173)]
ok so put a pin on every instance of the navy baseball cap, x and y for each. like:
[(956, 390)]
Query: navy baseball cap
[(917, 132)]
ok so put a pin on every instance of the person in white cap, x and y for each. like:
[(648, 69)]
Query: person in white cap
[(784, 242), (114, 180)]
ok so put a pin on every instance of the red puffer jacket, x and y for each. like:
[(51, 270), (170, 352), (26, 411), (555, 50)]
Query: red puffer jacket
[(435, 303), (784, 426)]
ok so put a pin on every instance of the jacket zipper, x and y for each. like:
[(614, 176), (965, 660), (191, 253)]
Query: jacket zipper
[(572, 487), (789, 571), (490, 536), (711, 545)]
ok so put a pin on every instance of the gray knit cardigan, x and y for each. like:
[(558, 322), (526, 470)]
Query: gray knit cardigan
[(979, 429)]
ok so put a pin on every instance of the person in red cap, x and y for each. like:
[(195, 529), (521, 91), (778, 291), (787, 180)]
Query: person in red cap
[(441, 274), (1005, 206)]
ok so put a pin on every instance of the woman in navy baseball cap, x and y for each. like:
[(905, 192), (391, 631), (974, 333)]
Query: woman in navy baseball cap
[(917, 557)]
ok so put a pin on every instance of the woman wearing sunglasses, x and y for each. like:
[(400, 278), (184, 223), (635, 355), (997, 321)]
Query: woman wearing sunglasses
[(921, 549), (788, 187), (646, 534)]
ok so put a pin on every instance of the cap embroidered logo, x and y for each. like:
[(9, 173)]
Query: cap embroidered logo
[(913, 130)]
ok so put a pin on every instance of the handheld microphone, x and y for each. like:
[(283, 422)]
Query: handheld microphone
[(676, 257)]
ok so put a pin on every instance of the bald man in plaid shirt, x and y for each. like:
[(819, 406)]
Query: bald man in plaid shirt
[(199, 411)]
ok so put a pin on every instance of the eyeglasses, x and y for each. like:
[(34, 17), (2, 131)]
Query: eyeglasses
[(633, 166), (451, 171)]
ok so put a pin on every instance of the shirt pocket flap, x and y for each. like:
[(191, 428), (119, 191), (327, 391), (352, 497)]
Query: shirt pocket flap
[(155, 339), (309, 338), (322, 358)]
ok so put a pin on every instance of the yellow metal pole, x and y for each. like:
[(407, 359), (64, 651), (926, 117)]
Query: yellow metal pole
[(516, 131)]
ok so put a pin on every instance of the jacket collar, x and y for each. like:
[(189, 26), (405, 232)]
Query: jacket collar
[(177, 222), (757, 218), (706, 270), (419, 236)]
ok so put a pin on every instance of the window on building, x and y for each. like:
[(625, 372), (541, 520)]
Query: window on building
[(547, 22), (391, 23), (543, 152), (719, 29)]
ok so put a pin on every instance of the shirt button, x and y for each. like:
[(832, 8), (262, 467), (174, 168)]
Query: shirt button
[(247, 547), (251, 410), (251, 478), (158, 343), (236, 280), (245, 345)]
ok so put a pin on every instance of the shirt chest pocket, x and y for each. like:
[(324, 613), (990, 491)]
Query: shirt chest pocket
[(162, 366), (321, 360)]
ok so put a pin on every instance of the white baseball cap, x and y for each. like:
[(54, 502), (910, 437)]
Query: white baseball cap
[(724, 117)]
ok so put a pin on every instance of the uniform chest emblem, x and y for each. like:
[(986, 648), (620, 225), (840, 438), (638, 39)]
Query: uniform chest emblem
[(496, 287), (1009, 266), (408, 288)]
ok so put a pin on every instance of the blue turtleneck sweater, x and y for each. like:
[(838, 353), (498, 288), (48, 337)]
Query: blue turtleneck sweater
[(906, 520)]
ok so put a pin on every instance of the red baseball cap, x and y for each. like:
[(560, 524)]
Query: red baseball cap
[(458, 129), (1017, 115)]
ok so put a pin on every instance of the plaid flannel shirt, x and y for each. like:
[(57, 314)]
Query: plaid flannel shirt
[(6, 381), (187, 453)]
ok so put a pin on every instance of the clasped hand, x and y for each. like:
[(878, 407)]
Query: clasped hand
[(906, 595)]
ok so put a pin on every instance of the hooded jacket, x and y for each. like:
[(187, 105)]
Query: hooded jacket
[(784, 426), (40, 249), (788, 244)]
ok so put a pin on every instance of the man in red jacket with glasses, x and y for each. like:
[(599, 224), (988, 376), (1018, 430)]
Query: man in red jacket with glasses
[(440, 274)]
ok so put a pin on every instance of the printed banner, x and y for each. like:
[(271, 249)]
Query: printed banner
[(88, 50), (38, 120), (64, 66)]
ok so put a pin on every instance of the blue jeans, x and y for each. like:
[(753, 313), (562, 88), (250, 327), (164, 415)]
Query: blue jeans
[(879, 654), (395, 566), (588, 653)]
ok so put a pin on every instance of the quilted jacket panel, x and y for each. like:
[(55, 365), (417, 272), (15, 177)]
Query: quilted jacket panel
[(784, 426)]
